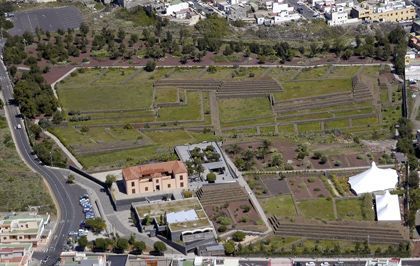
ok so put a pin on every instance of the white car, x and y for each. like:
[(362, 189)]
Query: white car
[(18, 126), (310, 263)]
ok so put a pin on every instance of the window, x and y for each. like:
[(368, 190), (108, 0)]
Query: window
[(133, 190), (181, 177), (169, 185), (181, 184), (157, 180), (146, 189), (133, 184)]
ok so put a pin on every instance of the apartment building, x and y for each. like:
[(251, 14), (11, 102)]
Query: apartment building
[(155, 177), (384, 11), (23, 228)]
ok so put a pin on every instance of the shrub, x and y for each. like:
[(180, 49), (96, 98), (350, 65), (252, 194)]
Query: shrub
[(211, 177), (150, 66), (222, 229), (238, 236)]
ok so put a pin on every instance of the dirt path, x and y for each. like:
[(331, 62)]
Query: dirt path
[(214, 110)]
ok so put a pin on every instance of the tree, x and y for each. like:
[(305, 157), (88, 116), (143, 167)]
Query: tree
[(229, 247), (57, 117), (138, 247), (150, 66), (159, 247), (84, 28), (96, 224), (70, 179), (121, 245), (82, 242), (101, 244), (313, 49), (36, 130), (199, 169), (211, 177), (238, 236), (110, 179)]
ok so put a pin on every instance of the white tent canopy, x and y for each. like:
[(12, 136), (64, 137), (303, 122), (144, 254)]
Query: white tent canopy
[(374, 179), (387, 207)]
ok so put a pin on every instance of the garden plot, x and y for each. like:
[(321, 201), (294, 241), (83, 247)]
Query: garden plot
[(307, 188)]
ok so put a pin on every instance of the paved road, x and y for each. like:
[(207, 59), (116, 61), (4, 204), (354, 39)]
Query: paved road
[(66, 196), (302, 8)]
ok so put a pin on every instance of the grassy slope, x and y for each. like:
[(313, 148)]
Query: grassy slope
[(19, 186)]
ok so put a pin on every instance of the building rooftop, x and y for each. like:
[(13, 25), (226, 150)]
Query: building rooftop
[(153, 170), (181, 216), (184, 214)]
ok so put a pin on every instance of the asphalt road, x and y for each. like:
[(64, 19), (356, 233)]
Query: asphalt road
[(66, 195), (306, 12)]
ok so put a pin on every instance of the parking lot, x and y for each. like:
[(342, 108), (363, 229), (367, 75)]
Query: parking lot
[(47, 19)]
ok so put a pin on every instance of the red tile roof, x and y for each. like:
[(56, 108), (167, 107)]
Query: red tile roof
[(153, 170)]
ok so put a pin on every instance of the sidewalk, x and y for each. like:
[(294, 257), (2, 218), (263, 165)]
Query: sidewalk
[(64, 149)]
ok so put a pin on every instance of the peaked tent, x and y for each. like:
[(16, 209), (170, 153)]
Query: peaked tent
[(374, 179), (387, 207)]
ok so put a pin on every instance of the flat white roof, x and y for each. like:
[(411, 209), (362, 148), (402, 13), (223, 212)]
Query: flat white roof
[(181, 216)]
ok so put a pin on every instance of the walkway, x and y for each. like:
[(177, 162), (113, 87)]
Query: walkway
[(69, 155)]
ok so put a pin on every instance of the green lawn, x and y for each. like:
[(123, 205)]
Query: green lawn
[(281, 206), (166, 95), (95, 136), (19, 186), (321, 208), (233, 109), (298, 89), (352, 209), (312, 73), (339, 123), (309, 127), (99, 89), (190, 111), (343, 71)]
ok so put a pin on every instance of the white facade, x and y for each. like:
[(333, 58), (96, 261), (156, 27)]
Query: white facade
[(412, 65), (171, 9), (339, 16), (277, 8)]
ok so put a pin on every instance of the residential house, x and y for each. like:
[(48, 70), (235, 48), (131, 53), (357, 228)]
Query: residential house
[(24, 228)]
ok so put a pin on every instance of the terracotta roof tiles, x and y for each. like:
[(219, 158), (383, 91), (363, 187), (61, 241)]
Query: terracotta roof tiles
[(153, 170)]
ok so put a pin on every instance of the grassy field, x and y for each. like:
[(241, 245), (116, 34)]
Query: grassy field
[(190, 111), (110, 89), (103, 102), (312, 73), (234, 109), (321, 208), (19, 186), (281, 206), (297, 89), (166, 95), (352, 209), (160, 150)]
